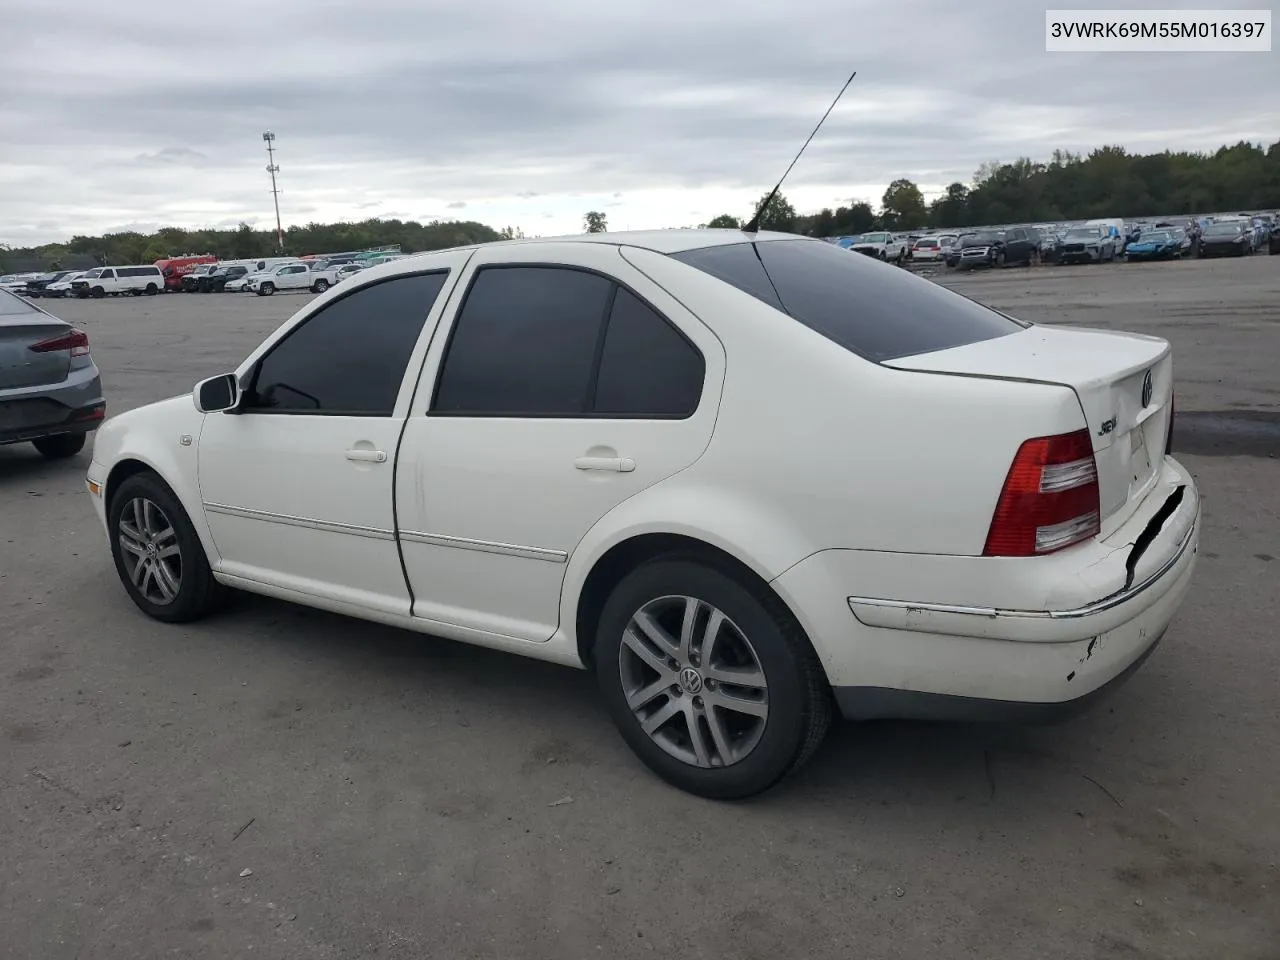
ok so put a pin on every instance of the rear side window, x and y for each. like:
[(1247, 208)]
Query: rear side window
[(524, 343), (544, 341), (350, 357), (877, 311), (648, 368)]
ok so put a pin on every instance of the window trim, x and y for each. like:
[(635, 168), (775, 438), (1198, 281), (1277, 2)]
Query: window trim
[(251, 379), (593, 380)]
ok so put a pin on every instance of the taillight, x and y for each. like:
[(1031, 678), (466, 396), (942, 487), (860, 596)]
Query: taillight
[(77, 341), (1050, 498)]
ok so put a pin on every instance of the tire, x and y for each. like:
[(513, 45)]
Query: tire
[(758, 635), (98, 292), (60, 447), (266, 289), (164, 527), (998, 260), (135, 293), (320, 286), (151, 290)]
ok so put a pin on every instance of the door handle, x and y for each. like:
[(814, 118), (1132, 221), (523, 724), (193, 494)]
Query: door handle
[(366, 455), (612, 464)]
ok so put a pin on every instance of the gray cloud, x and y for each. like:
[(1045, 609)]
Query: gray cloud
[(457, 205), (663, 106)]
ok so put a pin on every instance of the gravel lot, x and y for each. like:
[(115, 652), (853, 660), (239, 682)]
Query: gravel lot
[(401, 797)]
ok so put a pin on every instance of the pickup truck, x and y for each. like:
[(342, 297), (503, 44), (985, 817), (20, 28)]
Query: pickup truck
[(884, 246)]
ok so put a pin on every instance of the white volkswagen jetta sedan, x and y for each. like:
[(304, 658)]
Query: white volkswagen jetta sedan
[(748, 479)]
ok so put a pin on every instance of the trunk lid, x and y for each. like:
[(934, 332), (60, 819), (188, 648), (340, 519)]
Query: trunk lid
[(1108, 371), (20, 366)]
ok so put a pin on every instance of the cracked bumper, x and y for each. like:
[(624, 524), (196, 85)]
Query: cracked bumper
[(969, 637)]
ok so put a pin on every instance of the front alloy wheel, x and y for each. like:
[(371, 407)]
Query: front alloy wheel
[(158, 553), (149, 544)]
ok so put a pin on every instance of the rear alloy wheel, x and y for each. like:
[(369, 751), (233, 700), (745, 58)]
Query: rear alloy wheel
[(152, 289), (60, 447), (320, 286), (157, 553), (98, 292), (710, 682)]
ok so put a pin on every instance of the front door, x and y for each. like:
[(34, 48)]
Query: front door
[(568, 383), (297, 483)]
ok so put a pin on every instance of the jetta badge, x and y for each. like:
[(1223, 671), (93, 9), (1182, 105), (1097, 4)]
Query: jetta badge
[(1146, 389)]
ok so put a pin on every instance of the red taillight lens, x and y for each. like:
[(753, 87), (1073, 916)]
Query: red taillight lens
[(77, 341), (1049, 500)]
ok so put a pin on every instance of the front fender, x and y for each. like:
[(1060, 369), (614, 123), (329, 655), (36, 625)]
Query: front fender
[(165, 438)]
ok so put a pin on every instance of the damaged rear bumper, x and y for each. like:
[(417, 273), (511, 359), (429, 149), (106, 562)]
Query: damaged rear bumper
[(1018, 639)]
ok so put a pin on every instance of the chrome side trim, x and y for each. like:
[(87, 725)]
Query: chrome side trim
[(485, 546), (328, 526), (1098, 606)]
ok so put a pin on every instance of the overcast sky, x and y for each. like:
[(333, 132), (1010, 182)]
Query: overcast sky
[(135, 114)]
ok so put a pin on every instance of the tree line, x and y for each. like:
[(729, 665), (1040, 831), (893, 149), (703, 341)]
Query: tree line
[(1108, 182)]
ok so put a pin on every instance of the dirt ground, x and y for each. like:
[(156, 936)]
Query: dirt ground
[(397, 796)]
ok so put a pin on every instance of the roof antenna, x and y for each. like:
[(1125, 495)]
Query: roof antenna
[(754, 225)]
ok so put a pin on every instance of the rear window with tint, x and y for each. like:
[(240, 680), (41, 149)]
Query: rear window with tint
[(877, 311), (13, 306)]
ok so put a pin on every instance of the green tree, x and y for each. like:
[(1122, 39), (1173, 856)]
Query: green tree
[(952, 208), (726, 221), (779, 215), (904, 205), (595, 222)]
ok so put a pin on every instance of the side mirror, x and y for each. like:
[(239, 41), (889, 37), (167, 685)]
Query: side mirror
[(217, 394)]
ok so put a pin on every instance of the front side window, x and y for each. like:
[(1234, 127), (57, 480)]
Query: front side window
[(877, 312), (350, 357)]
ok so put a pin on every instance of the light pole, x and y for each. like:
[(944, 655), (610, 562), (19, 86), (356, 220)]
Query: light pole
[(273, 169)]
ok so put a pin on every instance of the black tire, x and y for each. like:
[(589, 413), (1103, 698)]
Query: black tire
[(198, 593), (98, 292), (320, 286), (799, 702), (60, 447), (998, 259), (266, 289), (152, 290)]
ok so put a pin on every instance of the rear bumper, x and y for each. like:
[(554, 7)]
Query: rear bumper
[(73, 406), (978, 638)]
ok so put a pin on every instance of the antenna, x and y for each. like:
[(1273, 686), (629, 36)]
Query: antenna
[(754, 225)]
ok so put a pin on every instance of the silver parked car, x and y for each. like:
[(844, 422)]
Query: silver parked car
[(50, 389)]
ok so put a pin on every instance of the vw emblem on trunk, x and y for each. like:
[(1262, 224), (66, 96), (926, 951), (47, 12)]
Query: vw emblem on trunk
[(1146, 389)]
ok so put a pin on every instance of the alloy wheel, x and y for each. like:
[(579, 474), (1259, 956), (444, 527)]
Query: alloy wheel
[(693, 682), (149, 548)]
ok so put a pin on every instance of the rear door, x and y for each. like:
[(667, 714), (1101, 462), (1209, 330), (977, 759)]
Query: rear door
[(568, 383)]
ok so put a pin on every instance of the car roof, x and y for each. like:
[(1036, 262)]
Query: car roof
[(659, 241)]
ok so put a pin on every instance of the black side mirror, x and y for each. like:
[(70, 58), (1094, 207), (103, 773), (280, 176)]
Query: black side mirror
[(217, 394)]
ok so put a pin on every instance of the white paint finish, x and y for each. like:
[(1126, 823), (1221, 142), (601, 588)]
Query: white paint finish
[(152, 435), (1106, 370), (828, 475), (519, 482), (276, 472)]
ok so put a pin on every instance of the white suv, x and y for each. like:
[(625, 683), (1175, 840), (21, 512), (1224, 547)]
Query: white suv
[(133, 280)]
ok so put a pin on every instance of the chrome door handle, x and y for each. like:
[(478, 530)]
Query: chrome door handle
[(366, 456), (611, 464)]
